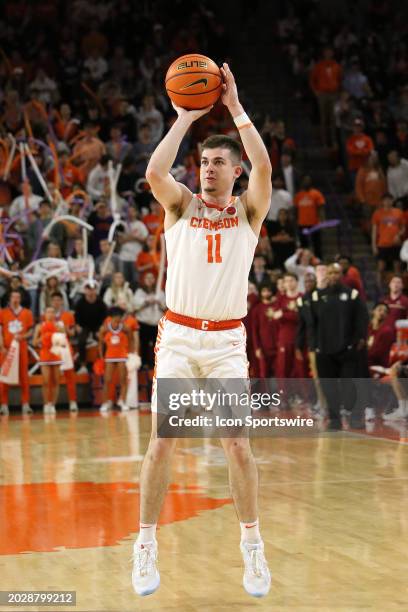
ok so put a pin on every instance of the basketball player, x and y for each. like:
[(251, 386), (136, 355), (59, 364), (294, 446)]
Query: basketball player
[(201, 335)]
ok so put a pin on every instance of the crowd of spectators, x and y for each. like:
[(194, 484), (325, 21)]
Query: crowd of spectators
[(91, 99), (353, 76)]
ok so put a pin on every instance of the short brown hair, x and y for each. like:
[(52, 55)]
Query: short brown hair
[(224, 142)]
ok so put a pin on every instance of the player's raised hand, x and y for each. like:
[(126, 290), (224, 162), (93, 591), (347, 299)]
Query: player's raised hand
[(229, 94), (193, 114)]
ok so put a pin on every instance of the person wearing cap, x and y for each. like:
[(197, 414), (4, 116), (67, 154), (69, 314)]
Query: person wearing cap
[(359, 146), (90, 313), (338, 332)]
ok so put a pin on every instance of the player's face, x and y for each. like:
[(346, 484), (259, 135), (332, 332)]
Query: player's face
[(218, 171)]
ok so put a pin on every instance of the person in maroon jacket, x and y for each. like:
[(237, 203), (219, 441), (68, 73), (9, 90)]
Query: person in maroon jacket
[(264, 332), (380, 337), (287, 316), (396, 301), (252, 301)]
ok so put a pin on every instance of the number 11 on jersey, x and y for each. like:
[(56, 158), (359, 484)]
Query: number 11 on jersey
[(211, 256)]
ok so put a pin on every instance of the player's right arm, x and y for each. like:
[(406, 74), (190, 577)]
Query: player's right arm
[(173, 196)]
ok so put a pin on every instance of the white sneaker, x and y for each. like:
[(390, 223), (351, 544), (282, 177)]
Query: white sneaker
[(73, 406), (123, 406), (4, 409), (395, 415), (145, 574), (82, 370), (105, 407), (46, 408), (26, 409), (369, 414), (51, 409), (257, 577)]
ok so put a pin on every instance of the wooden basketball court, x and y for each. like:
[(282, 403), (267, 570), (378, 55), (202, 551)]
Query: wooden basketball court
[(334, 517)]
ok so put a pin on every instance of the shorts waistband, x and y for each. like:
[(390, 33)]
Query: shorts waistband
[(201, 324)]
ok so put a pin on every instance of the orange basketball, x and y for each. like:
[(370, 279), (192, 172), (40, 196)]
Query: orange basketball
[(193, 81)]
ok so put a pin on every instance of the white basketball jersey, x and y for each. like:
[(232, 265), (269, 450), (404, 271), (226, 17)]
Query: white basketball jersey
[(210, 252)]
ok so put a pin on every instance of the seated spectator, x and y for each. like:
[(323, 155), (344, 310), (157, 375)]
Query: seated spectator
[(149, 309), (325, 82), (106, 264), (97, 182), (380, 337), (149, 115), (370, 184), (45, 88), (258, 274), (299, 264), (397, 176), (81, 266), (52, 285), (143, 148), (101, 220), (117, 148), (283, 238), (119, 292), (386, 238), (359, 146), (131, 243), (396, 301), (90, 313), (281, 199), (308, 203)]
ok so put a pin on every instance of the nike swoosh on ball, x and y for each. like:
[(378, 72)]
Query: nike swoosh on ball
[(205, 81)]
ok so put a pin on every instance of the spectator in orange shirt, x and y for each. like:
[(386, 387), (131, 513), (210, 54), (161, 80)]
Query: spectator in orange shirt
[(308, 202), (351, 275), (89, 150), (153, 220), (146, 261), (325, 81), (371, 185), (69, 174), (387, 233), (359, 147)]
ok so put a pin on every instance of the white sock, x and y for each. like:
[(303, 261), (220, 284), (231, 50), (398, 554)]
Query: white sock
[(147, 533), (250, 532), (402, 404)]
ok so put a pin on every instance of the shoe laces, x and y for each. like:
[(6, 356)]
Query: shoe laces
[(145, 559), (257, 561)]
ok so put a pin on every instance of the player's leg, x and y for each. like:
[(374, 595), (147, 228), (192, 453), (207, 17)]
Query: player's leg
[(4, 409), (45, 371), (229, 361)]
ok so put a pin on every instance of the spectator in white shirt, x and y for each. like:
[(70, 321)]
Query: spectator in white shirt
[(290, 174), (46, 88), (96, 184), (119, 292), (300, 263), (281, 198), (18, 205), (81, 267), (132, 241), (149, 309), (397, 175)]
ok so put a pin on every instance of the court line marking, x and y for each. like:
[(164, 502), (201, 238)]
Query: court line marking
[(301, 482)]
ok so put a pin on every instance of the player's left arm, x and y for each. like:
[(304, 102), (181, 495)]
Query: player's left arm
[(257, 198)]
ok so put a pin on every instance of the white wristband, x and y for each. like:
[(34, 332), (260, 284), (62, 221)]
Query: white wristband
[(242, 120)]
